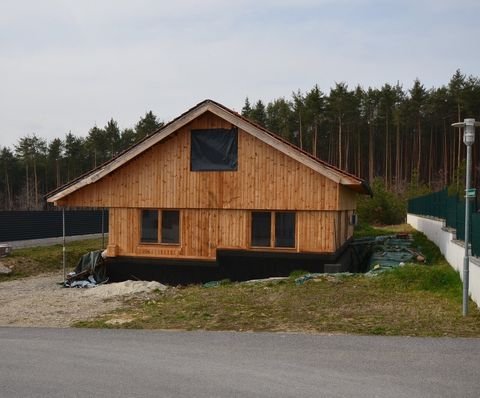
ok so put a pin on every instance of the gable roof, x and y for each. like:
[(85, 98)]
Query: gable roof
[(329, 171)]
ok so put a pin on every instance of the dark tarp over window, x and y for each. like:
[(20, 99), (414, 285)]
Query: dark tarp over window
[(214, 150)]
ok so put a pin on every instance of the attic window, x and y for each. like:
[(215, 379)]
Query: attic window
[(214, 150)]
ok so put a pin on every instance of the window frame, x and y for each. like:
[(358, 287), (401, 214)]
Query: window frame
[(272, 245), (159, 227)]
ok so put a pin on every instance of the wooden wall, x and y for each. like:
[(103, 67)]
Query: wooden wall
[(215, 206), (347, 198), (161, 178), (202, 232)]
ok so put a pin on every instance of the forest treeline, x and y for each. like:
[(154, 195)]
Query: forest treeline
[(391, 133), (35, 167)]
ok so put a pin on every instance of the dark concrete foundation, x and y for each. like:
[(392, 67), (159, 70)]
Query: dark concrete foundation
[(236, 265)]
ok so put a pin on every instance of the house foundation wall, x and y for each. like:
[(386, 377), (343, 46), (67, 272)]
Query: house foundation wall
[(236, 265)]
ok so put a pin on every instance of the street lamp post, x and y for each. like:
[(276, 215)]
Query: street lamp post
[(468, 126)]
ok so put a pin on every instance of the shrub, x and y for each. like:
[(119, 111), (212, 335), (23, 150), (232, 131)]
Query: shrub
[(383, 208)]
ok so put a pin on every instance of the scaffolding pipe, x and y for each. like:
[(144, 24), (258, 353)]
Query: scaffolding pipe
[(64, 247), (103, 228)]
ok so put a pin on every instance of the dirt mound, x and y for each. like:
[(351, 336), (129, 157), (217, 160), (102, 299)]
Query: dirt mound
[(42, 301), (124, 289)]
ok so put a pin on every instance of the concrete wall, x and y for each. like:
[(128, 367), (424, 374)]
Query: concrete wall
[(452, 249)]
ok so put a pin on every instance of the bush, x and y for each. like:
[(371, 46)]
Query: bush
[(384, 208)]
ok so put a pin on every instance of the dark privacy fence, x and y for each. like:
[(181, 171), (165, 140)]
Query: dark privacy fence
[(22, 225), (452, 210)]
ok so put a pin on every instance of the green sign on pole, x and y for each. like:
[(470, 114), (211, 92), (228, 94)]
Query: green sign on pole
[(470, 193)]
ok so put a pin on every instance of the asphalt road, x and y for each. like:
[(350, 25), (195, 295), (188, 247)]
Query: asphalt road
[(51, 241), (38, 362)]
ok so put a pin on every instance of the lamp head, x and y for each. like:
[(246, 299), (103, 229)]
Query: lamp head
[(468, 130)]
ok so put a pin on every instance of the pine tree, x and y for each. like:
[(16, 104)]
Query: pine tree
[(247, 109), (6, 162), (417, 101), (112, 135), (127, 138), (147, 125), (97, 144), (259, 114), (55, 154), (314, 114), (279, 118)]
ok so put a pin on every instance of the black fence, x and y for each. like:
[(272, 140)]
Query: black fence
[(22, 225)]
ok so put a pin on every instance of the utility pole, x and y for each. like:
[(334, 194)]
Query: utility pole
[(468, 126)]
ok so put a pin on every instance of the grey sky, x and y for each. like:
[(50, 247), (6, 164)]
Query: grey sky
[(67, 65)]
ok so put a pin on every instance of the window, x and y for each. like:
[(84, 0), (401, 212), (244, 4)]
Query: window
[(285, 229), (280, 233), (149, 226), (261, 228), (169, 231), (214, 150)]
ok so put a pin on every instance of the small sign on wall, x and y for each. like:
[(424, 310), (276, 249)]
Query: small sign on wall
[(353, 219)]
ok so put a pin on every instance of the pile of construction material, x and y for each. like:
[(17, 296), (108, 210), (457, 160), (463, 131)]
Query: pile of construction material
[(393, 251)]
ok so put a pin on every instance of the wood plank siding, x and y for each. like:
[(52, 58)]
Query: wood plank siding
[(161, 178), (215, 206), (203, 231)]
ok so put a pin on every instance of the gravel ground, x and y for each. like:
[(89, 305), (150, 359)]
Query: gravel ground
[(41, 301)]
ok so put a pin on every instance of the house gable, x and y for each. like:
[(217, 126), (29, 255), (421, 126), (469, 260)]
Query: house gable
[(231, 119), (160, 177)]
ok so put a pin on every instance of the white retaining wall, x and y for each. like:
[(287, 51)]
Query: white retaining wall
[(452, 250)]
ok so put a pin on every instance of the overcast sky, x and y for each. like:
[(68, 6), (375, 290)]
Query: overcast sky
[(68, 65)]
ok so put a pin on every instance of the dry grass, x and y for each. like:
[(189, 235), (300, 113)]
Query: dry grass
[(412, 300), (37, 260), (415, 300), (352, 304)]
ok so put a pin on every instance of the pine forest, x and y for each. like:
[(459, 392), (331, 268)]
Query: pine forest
[(394, 135)]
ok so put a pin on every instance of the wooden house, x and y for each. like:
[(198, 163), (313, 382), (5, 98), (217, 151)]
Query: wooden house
[(213, 183)]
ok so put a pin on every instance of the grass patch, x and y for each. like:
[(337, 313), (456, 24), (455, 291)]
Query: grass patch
[(415, 300), (38, 260), (354, 304), (436, 277), (367, 230)]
